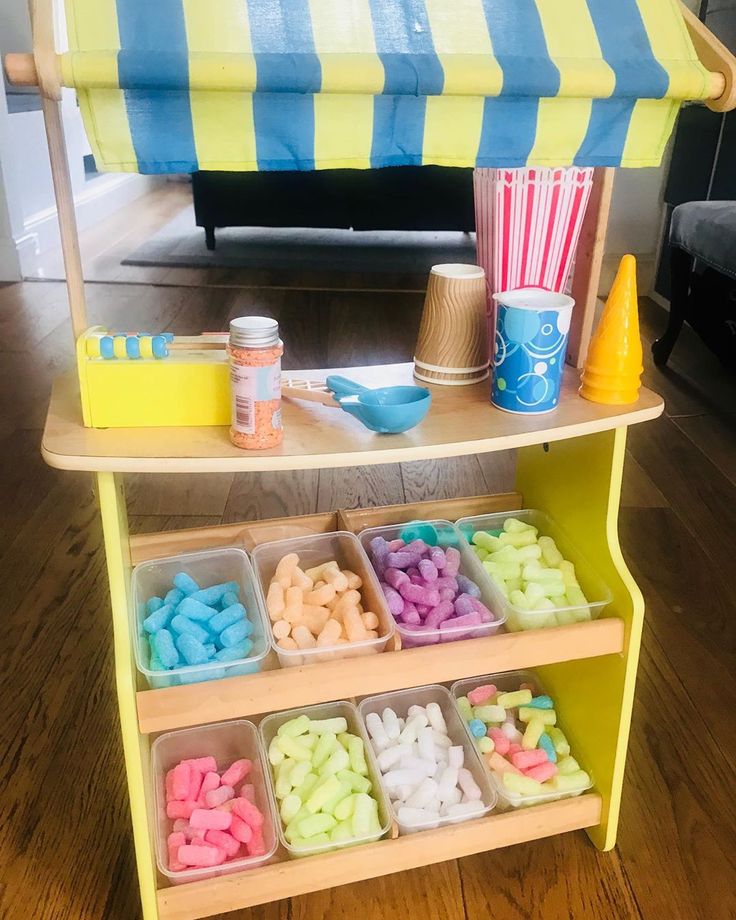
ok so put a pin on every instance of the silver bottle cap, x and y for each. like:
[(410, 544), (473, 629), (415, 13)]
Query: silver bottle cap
[(254, 332)]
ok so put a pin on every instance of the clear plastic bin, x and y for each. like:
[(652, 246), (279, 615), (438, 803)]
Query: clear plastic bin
[(314, 550), (505, 683), (400, 701), (226, 742), (209, 567), (269, 728), (594, 588), (469, 566)]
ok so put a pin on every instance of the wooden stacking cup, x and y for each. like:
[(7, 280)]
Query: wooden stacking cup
[(453, 346)]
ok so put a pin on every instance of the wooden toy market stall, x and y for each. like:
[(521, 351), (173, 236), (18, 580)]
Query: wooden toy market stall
[(180, 85)]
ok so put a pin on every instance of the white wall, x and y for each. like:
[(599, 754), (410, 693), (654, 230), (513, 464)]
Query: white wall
[(25, 174)]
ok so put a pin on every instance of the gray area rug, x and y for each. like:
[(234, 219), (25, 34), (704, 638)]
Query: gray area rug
[(181, 244)]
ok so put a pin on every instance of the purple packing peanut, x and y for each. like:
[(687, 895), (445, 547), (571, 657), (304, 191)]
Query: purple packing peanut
[(437, 556), (443, 611), (469, 619), (446, 581), (402, 559), (460, 627), (418, 594), (464, 605), (394, 600), (395, 578), (410, 615), (417, 580), (417, 546), (466, 586), (452, 561), (485, 614), (428, 570), (379, 552), (412, 570), (423, 609), (447, 594), (395, 545)]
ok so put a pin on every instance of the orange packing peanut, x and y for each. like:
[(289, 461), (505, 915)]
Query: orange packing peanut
[(275, 600), (320, 596), (287, 643), (301, 579), (336, 578), (353, 625), (354, 581), (349, 599), (285, 569), (281, 629), (255, 352), (370, 620)]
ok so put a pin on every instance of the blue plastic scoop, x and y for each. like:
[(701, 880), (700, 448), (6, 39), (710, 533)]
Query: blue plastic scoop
[(387, 410)]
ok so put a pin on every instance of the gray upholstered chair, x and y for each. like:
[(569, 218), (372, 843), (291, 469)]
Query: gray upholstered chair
[(702, 231)]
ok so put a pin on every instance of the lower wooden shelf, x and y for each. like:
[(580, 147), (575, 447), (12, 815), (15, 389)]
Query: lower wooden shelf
[(296, 877), (269, 691)]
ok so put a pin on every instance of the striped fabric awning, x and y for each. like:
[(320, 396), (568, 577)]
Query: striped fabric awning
[(180, 85)]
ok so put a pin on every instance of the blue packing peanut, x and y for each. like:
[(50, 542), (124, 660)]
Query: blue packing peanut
[(214, 593), (174, 597), (153, 604), (155, 664), (467, 530), (467, 586), (228, 600), (158, 619), (164, 648), (195, 610), (185, 583), (541, 702), (192, 651), (226, 618), (234, 652), (545, 744), (477, 728), (447, 538), (181, 625), (210, 648), (419, 530), (236, 633)]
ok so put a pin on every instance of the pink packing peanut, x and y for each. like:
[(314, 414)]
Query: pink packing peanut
[(240, 830), (524, 760), (248, 812), (203, 764), (236, 772), (481, 694), (542, 772), (173, 842), (181, 781), (223, 841), (248, 791), (256, 846), (195, 784), (211, 781), (500, 742), (452, 561), (419, 595), (211, 819), (200, 856), (219, 796), (178, 809)]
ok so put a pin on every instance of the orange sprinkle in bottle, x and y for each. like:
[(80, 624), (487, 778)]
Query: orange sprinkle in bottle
[(255, 351)]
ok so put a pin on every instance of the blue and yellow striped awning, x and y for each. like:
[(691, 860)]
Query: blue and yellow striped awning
[(179, 85)]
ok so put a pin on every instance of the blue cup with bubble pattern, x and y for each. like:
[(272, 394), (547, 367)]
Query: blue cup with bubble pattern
[(532, 326)]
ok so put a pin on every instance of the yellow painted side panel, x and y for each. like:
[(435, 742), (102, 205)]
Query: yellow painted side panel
[(594, 696), (156, 393), (135, 746)]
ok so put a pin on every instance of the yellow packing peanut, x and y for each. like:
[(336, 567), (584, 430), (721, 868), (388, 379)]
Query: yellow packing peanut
[(533, 733), (545, 716)]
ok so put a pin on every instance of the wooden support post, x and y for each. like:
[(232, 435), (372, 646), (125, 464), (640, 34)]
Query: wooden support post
[(47, 70), (588, 263)]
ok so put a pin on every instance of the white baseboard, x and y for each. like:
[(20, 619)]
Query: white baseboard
[(105, 195)]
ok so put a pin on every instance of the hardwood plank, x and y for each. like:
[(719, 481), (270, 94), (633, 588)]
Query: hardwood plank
[(360, 487), (715, 436), (499, 470), (562, 878), (439, 479), (253, 496), (638, 489), (149, 494), (707, 510)]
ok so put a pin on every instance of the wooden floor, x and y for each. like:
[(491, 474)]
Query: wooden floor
[(65, 845)]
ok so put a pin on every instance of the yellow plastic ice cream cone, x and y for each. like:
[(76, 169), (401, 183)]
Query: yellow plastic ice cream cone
[(613, 367)]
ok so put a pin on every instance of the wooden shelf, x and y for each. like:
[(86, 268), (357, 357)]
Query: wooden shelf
[(461, 421), (271, 691), (300, 876)]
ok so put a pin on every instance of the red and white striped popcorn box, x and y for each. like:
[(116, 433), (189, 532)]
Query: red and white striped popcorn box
[(528, 223)]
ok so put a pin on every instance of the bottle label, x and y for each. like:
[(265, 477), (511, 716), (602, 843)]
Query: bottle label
[(251, 386)]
